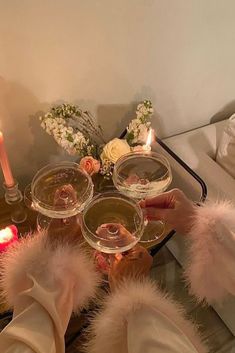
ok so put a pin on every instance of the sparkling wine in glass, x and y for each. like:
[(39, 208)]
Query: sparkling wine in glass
[(142, 175), (105, 218), (60, 191)]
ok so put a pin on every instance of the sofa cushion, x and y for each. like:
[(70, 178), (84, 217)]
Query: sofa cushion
[(198, 149), (205, 138), (226, 150)]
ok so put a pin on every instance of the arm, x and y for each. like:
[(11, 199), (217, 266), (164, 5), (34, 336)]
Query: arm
[(209, 232), (211, 252), (137, 317), (44, 280)]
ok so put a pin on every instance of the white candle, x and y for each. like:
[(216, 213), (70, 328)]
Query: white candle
[(6, 169)]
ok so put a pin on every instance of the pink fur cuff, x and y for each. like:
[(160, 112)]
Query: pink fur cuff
[(108, 332), (52, 265), (210, 266)]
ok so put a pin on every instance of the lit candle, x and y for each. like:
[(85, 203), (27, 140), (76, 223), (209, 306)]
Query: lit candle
[(9, 181), (147, 146), (8, 236)]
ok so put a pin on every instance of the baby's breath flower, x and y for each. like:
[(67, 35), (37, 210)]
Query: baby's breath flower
[(56, 123), (107, 168), (138, 128), (77, 132)]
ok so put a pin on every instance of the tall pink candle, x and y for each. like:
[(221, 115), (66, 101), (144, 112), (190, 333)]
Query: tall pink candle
[(6, 169)]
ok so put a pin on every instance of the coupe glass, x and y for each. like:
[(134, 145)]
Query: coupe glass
[(117, 210), (60, 191), (142, 175)]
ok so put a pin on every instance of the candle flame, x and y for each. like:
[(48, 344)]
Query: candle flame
[(6, 235), (149, 138)]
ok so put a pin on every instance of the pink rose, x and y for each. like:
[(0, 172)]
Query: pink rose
[(90, 165)]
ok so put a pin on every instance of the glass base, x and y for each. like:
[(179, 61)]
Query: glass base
[(43, 222), (14, 197), (18, 213), (57, 224), (153, 231)]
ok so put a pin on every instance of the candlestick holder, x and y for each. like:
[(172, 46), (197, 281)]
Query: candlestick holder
[(14, 198)]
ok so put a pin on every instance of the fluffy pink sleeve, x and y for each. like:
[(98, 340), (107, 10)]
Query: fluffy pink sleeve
[(44, 282), (138, 317), (210, 268)]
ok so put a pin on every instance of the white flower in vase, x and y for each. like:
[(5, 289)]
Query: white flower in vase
[(115, 149)]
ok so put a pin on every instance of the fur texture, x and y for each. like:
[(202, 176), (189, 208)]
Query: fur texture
[(35, 256), (109, 328), (210, 270)]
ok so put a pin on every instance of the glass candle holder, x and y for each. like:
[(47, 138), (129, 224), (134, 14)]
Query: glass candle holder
[(14, 198), (119, 212), (142, 175)]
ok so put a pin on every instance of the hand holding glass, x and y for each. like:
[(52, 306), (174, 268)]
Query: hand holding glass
[(142, 175)]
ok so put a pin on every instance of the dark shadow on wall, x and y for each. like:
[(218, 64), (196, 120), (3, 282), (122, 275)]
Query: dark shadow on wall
[(114, 118), (27, 144), (30, 147)]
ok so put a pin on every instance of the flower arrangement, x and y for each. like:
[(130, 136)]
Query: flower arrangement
[(78, 133)]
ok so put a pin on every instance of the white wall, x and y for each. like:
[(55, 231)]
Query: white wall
[(107, 55)]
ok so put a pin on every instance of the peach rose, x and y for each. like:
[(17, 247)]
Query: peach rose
[(90, 165)]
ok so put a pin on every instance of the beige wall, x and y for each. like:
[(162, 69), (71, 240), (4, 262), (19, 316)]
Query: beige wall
[(106, 55)]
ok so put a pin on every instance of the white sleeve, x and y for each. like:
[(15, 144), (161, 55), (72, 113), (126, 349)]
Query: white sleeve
[(44, 283), (151, 331), (139, 318), (211, 259)]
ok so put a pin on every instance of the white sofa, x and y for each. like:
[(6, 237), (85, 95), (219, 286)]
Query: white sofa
[(198, 149)]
